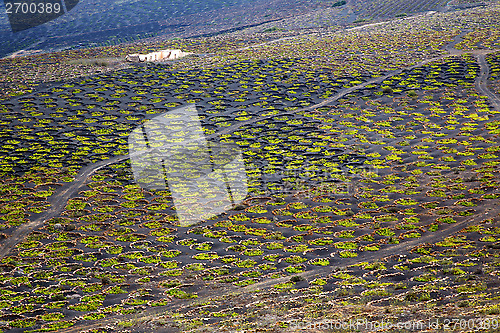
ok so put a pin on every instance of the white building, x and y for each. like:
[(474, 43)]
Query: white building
[(156, 56)]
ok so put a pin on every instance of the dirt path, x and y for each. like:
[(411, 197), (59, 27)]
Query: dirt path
[(57, 203), (482, 79), (458, 38)]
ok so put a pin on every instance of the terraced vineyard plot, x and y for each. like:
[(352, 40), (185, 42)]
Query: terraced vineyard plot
[(82, 122), (481, 39), (352, 53), (118, 249), (367, 198), (494, 79)]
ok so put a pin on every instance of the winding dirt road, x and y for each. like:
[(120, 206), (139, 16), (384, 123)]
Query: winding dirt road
[(482, 82)]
